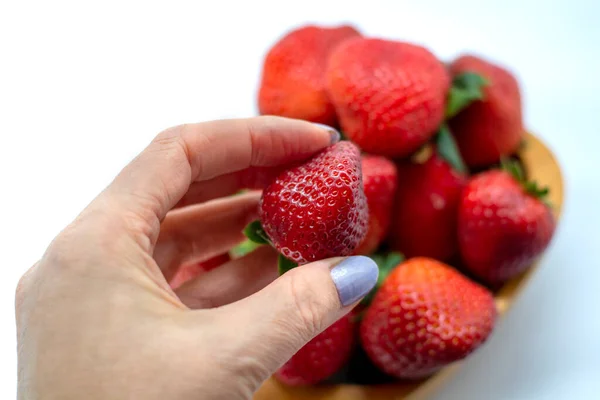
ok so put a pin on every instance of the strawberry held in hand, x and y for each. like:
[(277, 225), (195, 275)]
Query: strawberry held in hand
[(425, 316), (322, 356), (293, 77), (318, 209), (426, 207), (390, 96), (380, 183), (492, 126), (503, 225)]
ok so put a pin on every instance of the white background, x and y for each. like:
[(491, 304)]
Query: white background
[(84, 87)]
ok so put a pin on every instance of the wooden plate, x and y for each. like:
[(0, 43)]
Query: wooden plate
[(542, 167)]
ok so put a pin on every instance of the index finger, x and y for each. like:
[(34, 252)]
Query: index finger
[(159, 177)]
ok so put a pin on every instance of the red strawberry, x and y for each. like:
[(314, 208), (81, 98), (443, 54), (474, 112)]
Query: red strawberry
[(389, 96), (380, 182), (425, 316), (318, 209), (426, 209), (502, 226), (190, 271), (493, 126), (321, 357), (293, 77)]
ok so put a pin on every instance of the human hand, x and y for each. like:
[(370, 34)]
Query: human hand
[(96, 318)]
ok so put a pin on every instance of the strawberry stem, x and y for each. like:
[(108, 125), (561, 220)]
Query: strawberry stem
[(448, 149), (466, 88)]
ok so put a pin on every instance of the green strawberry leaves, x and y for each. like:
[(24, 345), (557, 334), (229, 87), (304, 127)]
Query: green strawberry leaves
[(531, 187), (255, 232), (285, 264), (386, 263), (448, 150), (466, 88), (513, 168)]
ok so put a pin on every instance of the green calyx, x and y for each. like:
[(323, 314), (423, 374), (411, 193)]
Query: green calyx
[(285, 264), (513, 168), (466, 88), (246, 247), (386, 263), (531, 187), (255, 232), (256, 237), (448, 149)]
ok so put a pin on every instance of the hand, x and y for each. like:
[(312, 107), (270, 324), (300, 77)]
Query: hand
[(96, 318)]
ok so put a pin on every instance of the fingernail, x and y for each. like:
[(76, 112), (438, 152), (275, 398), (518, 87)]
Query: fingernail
[(333, 133), (354, 278)]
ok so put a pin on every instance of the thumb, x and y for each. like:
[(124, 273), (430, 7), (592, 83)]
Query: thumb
[(281, 318)]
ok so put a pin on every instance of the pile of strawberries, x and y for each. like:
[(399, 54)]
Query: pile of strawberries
[(427, 171)]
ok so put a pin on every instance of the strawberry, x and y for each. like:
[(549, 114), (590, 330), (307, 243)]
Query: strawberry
[(426, 206), (322, 356), (425, 316), (380, 183), (190, 271), (293, 77), (389, 96), (503, 225), (317, 209), (491, 127)]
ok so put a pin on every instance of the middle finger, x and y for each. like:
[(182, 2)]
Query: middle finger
[(203, 231)]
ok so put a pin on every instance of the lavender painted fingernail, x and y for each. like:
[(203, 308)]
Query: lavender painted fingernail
[(333, 133), (354, 278)]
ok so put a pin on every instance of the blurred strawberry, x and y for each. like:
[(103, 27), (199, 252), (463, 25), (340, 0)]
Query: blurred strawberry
[(190, 271), (293, 77), (390, 96), (426, 207), (492, 125), (380, 183), (503, 224), (425, 316), (322, 356)]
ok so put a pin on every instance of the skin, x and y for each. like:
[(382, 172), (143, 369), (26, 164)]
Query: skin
[(96, 318)]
